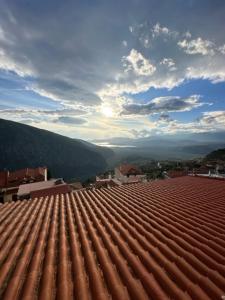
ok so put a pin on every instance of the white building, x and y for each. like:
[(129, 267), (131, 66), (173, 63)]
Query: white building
[(127, 173)]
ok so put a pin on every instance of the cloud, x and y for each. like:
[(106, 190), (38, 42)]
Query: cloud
[(163, 104), (213, 118), (146, 34), (208, 122), (65, 60), (213, 121), (64, 112), (187, 34), (64, 92), (22, 68), (140, 133), (137, 63), (169, 62), (222, 49), (164, 118), (70, 120), (197, 46), (66, 116), (124, 43), (159, 30), (213, 72), (136, 48)]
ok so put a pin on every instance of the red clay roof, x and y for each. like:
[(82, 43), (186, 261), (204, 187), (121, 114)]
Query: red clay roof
[(15, 178), (162, 240), (127, 169), (38, 186), (177, 173), (26, 173)]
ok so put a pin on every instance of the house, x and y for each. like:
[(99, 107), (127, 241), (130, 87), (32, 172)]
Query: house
[(127, 173), (4, 175), (106, 183), (10, 181), (175, 173), (216, 170), (76, 186), (15, 178), (42, 188), (159, 240), (8, 194)]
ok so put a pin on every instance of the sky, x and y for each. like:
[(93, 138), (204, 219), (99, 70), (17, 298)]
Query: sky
[(101, 69)]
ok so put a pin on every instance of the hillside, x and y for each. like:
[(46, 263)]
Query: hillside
[(164, 147), (216, 155), (25, 146)]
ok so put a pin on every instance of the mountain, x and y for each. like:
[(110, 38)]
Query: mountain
[(25, 146), (177, 146), (216, 155)]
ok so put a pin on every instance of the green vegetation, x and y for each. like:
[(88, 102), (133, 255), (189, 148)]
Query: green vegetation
[(218, 155)]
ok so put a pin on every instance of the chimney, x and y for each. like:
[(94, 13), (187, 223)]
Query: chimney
[(46, 174)]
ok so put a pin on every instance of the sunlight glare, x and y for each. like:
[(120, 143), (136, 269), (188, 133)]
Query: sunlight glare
[(107, 111)]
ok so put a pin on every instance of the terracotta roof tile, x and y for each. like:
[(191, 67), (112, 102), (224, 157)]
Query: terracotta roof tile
[(161, 240), (177, 173), (127, 169)]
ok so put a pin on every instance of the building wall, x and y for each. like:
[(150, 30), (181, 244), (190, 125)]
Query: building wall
[(118, 174), (59, 189), (3, 178)]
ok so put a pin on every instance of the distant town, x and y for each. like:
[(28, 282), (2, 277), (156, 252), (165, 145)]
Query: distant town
[(29, 183)]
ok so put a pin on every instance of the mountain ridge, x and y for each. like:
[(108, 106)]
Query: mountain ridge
[(26, 146)]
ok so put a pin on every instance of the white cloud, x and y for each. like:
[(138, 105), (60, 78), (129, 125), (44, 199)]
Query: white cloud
[(197, 46), (213, 71), (131, 29), (146, 35), (124, 43), (187, 34), (22, 68), (222, 49), (213, 118), (70, 63), (162, 105), (70, 120), (169, 62), (65, 92), (159, 30), (143, 133), (137, 63), (66, 115), (212, 121), (208, 121)]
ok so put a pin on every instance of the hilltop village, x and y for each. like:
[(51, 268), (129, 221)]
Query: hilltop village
[(30, 183)]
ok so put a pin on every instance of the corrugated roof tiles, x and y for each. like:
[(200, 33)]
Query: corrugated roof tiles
[(162, 240), (127, 169)]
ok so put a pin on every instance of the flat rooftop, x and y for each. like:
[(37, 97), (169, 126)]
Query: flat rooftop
[(159, 240)]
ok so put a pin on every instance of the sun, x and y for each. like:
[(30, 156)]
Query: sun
[(107, 111)]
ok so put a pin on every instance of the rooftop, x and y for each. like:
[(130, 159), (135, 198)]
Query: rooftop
[(159, 240), (36, 186), (15, 178), (127, 169), (177, 173)]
